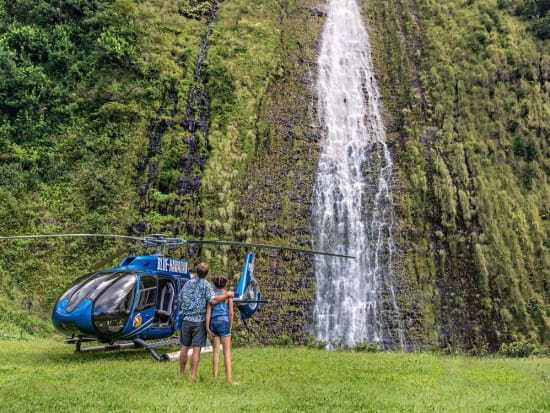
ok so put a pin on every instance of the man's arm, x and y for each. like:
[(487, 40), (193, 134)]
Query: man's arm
[(222, 297)]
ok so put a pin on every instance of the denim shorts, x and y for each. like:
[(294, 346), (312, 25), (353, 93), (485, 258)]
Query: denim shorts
[(220, 327), (193, 334)]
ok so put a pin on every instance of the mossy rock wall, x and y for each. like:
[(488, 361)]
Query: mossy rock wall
[(198, 119), (465, 86)]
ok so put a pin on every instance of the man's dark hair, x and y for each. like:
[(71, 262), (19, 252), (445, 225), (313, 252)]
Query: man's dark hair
[(202, 270)]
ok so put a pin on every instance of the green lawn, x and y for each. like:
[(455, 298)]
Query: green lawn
[(46, 376)]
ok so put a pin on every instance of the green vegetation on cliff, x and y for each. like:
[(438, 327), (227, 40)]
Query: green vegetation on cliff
[(467, 90), (198, 119), (80, 82)]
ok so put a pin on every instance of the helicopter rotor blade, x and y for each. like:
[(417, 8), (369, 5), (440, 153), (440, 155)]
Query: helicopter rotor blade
[(160, 240), (266, 246), (71, 235)]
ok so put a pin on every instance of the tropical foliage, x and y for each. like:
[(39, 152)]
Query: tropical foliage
[(467, 87), (198, 119)]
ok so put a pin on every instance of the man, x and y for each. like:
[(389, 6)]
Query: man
[(195, 294)]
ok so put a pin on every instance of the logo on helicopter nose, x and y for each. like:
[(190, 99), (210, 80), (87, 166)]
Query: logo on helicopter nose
[(137, 320)]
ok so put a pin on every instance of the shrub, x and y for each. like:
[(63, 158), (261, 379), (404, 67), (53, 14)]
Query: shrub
[(367, 347), (481, 350), (518, 348), (541, 27), (283, 341), (310, 342)]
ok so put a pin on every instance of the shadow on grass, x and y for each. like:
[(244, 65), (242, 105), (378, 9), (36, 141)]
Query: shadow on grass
[(53, 351)]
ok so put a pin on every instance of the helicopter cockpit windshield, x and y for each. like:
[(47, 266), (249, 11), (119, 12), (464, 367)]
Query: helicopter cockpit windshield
[(108, 295), (113, 305), (89, 287)]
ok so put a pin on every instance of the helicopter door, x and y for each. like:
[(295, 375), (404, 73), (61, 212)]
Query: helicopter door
[(165, 302)]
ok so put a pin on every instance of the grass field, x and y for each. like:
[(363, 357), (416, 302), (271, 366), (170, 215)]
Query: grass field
[(47, 376)]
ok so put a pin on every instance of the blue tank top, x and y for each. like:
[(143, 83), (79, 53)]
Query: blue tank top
[(221, 309)]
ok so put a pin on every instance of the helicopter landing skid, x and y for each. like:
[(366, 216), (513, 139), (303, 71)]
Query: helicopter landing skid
[(136, 343), (151, 346)]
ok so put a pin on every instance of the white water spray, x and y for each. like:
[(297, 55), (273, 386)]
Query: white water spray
[(353, 205)]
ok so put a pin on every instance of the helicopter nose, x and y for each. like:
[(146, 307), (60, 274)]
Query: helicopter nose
[(78, 320)]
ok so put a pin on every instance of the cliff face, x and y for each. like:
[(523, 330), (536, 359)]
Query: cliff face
[(199, 119), (465, 97), (466, 92), (274, 139)]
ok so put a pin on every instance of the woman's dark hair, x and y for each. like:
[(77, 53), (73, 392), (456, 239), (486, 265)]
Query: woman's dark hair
[(219, 281)]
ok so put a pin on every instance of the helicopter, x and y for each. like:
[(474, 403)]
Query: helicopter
[(136, 303)]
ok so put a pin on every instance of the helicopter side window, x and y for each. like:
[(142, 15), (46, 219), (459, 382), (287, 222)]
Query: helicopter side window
[(147, 293)]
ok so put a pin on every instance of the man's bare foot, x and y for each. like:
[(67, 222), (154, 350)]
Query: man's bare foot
[(234, 383)]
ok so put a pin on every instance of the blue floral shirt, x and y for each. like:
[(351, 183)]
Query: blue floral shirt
[(194, 296)]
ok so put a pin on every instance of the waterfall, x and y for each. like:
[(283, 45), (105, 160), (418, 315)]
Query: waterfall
[(353, 207)]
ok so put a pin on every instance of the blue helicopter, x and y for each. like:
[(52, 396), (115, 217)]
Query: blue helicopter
[(136, 304)]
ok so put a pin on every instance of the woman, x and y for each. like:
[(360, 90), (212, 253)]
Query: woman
[(219, 322)]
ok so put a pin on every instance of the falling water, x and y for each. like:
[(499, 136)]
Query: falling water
[(353, 207)]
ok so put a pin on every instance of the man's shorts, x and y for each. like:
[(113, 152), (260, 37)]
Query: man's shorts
[(193, 334), (220, 327)]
